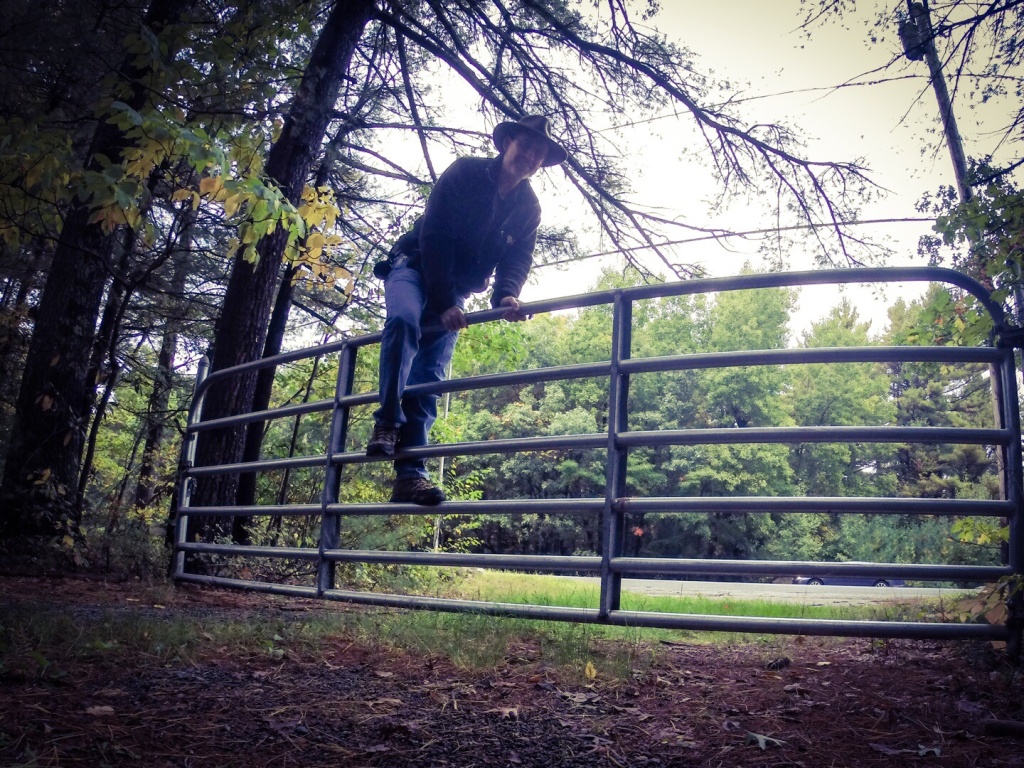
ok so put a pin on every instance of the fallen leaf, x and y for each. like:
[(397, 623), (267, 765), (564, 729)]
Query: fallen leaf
[(887, 750), (384, 702), (969, 706), (507, 713), (762, 741), (103, 711), (590, 670), (283, 726), (384, 674)]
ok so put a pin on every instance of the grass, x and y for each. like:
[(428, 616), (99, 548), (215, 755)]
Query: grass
[(498, 586), (42, 642)]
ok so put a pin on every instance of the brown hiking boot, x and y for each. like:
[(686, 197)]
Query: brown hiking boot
[(383, 441), (416, 490)]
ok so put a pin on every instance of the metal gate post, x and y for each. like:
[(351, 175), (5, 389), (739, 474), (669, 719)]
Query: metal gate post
[(330, 524), (188, 460), (1014, 494), (615, 480)]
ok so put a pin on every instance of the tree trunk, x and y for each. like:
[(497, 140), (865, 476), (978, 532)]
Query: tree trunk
[(241, 328), (148, 490), (56, 394), (256, 431), (265, 384), (14, 340)]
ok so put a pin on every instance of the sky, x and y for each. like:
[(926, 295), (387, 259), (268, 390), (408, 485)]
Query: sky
[(891, 128)]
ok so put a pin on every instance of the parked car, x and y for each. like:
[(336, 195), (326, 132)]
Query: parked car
[(849, 581)]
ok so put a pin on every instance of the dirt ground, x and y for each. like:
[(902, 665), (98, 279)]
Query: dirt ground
[(800, 702)]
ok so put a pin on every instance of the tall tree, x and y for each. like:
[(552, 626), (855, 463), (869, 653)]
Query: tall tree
[(45, 448), (242, 325), (850, 394)]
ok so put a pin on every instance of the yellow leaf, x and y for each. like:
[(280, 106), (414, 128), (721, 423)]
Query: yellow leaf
[(315, 241), (590, 670), (69, 542), (45, 402), (232, 204), (210, 185), (181, 194)]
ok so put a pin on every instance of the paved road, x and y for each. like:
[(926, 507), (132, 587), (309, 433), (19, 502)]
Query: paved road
[(794, 593)]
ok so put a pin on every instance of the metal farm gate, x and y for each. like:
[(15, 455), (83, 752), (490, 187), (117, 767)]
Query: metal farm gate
[(614, 506)]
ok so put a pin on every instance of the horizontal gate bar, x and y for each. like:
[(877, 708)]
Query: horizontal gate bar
[(844, 504), (491, 380), (700, 567), (731, 504), (264, 465), (827, 355), (526, 506), (815, 435), (712, 623), (289, 590), (623, 565), (510, 610), (280, 412), (641, 439), (241, 550), (467, 560), (546, 443), (274, 510), (702, 622)]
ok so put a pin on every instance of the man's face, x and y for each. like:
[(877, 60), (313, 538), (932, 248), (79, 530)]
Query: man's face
[(524, 155)]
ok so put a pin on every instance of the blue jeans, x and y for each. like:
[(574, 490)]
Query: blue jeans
[(407, 357)]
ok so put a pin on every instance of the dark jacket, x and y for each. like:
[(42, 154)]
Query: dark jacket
[(467, 234)]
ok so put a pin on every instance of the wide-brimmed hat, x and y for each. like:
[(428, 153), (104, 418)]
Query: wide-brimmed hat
[(537, 125)]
